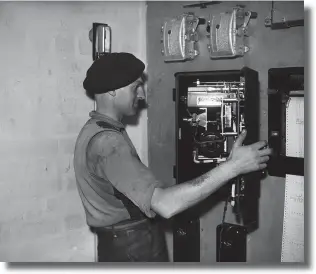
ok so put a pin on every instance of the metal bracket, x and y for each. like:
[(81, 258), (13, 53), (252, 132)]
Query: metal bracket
[(285, 19), (202, 4), (100, 36)]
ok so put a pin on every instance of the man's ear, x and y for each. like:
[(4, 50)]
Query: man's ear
[(112, 93)]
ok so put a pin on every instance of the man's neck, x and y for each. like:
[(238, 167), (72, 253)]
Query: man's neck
[(115, 116)]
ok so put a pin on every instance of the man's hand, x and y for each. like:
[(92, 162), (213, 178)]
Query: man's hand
[(245, 159)]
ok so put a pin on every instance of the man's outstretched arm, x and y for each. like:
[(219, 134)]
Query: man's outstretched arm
[(170, 201)]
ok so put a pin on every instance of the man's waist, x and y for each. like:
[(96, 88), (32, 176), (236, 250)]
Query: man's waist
[(123, 225)]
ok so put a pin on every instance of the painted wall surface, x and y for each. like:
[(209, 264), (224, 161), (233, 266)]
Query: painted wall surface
[(45, 52), (268, 49)]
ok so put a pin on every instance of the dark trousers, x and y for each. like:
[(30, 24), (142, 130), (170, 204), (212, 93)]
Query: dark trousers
[(140, 242)]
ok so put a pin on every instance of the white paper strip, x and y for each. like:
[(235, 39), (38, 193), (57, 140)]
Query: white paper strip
[(293, 221), (295, 127)]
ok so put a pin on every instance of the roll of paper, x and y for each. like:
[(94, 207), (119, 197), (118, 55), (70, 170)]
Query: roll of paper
[(293, 221)]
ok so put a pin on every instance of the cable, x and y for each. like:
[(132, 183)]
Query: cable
[(220, 234), (95, 247), (225, 210)]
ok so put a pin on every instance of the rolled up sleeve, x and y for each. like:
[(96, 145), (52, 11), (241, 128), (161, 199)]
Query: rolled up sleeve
[(121, 166)]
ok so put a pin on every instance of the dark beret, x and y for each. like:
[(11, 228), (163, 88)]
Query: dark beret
[(113, 71)]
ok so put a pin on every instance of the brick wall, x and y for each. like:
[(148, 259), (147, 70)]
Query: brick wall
[(44, 53)]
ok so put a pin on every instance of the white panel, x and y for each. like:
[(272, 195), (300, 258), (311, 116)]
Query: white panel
[(293, 222)]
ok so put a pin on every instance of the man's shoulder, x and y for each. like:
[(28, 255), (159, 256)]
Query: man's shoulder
[(107, 141)]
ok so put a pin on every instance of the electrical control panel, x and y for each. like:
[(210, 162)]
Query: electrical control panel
[(212, 109), (215, 114)]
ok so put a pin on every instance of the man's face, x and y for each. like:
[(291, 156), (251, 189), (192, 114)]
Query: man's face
[(127, 97)]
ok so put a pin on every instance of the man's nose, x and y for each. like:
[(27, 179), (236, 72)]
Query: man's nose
[(141, 94)]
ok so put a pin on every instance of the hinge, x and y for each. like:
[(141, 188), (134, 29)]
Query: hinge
[(174, 94)]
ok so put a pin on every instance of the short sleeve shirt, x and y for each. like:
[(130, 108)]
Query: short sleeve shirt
[(112, 157)]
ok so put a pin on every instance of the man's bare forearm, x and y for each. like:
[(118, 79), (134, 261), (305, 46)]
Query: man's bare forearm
[(173, 200)]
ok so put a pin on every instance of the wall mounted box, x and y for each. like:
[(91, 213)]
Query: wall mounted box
[(283, 84), (212, 108)]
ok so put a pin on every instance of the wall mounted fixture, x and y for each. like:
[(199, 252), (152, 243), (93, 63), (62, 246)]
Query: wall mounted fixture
[(100, 36), (227, 33), (179, 37)]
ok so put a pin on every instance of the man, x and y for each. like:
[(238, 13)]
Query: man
[(120, 195)]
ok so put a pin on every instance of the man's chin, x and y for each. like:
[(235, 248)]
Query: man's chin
[(131, 118), (135, 109), (133, 112)]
